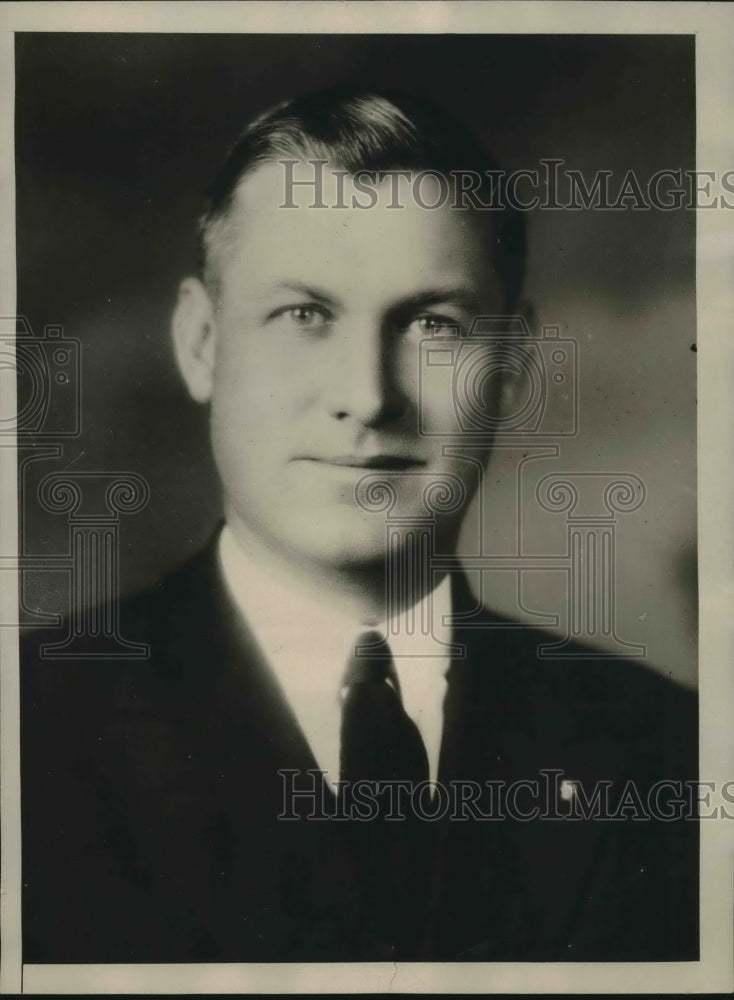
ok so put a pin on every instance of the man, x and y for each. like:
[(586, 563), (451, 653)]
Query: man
[(174, 809)]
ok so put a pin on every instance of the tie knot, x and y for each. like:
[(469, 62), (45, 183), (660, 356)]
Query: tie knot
[(370, 661)]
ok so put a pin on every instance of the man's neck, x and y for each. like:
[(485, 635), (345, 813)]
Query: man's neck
[(358, 591)]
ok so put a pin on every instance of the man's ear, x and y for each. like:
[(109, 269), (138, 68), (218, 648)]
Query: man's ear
[(513, 394), (194, 331)]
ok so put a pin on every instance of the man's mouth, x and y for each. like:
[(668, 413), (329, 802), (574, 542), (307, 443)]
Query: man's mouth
[(370, 463)]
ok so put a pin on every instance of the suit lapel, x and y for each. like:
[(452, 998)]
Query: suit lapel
[(257, 885), (516, 882)]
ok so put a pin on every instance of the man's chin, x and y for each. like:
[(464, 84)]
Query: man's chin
[(351, 544), (342, 538), (343, 551)]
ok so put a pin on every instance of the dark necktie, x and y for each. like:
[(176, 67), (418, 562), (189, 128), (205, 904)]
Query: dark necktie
[(380, 743)]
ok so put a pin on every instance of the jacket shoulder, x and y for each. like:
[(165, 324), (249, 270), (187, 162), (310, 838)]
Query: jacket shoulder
[(117, 645), (610, 707)]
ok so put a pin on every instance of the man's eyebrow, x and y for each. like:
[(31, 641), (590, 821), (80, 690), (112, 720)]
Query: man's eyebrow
[(318, 294), (465, 298)]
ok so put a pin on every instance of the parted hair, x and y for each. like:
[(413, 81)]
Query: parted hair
[(365, 132)]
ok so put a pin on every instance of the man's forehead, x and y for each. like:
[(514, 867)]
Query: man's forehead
[(319, 209), (314, 183)]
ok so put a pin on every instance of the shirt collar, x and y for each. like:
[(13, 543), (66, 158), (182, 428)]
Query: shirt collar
[(309, 642)]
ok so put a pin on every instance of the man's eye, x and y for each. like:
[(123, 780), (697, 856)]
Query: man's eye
[(426, 326), (307, 317)]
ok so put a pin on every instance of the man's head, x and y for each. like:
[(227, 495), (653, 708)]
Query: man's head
[(303, 329)]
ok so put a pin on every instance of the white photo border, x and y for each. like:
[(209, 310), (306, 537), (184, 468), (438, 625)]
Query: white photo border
[(713, 26)]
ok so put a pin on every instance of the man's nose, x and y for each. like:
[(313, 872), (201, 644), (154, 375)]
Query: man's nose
[(364, 385)]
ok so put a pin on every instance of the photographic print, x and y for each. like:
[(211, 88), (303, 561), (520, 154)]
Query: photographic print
[(355, 447)]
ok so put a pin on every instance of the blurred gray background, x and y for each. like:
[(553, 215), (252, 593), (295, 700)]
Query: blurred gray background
[(116, 138)]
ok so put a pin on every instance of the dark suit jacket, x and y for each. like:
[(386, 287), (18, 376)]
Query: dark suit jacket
[(151, 797)]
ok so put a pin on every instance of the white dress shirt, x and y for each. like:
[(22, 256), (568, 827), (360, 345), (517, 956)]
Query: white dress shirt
[(308, 646)]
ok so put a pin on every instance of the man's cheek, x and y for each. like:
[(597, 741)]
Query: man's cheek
[(440, 415)]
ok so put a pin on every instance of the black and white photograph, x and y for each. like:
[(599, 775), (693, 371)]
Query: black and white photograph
[(358, 606)]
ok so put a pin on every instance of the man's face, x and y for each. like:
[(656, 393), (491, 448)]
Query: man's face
[(315, 365)]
